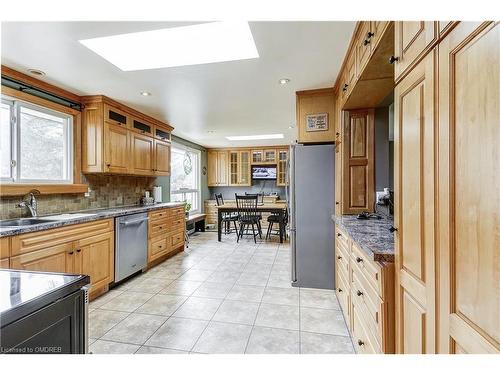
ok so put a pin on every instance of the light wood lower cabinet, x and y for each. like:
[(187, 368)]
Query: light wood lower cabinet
[(83, 248), (4, 252), (166, 233), (365, 290)]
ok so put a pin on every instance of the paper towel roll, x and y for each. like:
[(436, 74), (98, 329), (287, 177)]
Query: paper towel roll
[(157, 194)]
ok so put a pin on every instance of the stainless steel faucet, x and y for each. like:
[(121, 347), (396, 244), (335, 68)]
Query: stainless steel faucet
[(29, 202)]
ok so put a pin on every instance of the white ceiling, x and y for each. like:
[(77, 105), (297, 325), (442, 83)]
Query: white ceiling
[(231, 98)]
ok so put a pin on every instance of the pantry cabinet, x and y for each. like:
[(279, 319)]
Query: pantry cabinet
[(120, 140), (467, 188), (414, 145)]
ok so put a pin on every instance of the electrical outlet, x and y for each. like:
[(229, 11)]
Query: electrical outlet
[(87, 194)]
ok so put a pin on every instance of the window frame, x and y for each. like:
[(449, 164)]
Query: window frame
[(16, 157), (176, 145)]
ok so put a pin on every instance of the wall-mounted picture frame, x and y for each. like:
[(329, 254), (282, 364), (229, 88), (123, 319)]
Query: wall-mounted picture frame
[(317, 122)]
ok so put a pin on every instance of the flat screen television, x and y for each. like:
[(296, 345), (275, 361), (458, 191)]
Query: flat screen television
[(264, 173)]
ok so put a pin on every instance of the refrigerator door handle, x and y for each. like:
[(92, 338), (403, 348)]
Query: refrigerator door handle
[(293, 242)]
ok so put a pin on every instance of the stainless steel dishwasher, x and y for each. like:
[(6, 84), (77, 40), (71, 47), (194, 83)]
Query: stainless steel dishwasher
[(131, 244)]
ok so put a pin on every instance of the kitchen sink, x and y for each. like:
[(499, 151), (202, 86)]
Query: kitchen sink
[(24, 222)]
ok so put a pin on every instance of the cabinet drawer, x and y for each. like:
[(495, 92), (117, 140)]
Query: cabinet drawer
[(363, 344), (177, 211), (342, 261), (370, 269), (28, 242), (176, 223), (177, 239), (342, 291), (158, 229), (158, 246), (365, 299), (158, 215), (341, 238)]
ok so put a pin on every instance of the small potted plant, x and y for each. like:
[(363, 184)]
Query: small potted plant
[(187, 208)]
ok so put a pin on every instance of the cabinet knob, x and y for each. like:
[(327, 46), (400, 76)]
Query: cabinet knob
[(340, 290), (345, 87), (393, 59), (71, 253), (392, 229), (78, 250), (369, 34), (337, 203), (108, 164), (366, 42), (339, 257), (160, 246), (359, 293), (359, 260), (360, 343), (339, 234)]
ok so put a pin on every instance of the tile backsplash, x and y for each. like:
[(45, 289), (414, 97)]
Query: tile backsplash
[(106, 191)]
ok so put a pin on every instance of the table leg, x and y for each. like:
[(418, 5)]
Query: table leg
[(219, 225), (281, 218)]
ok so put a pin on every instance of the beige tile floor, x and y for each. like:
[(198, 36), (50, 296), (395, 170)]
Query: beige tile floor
[(218, 297)]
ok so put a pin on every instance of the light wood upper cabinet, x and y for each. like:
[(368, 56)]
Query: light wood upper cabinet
[(363, 46), (142, 154), (117, 139), (162, 158), (358, 162), (377, 29), (414, 146), (468, 195), (257, 156), (218, 168), (411, 39), (116, 149), (239, 168), (315, 102), (270, 156)]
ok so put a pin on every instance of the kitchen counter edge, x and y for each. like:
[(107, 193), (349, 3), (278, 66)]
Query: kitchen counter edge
[(97, 214)]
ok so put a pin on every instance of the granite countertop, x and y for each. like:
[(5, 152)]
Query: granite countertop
[(372, 235), (90, 215)]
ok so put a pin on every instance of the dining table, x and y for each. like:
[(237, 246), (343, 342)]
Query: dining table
[(276, 208)]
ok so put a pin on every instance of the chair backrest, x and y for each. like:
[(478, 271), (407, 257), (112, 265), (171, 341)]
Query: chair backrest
[(219, 199), (260, 196), (247, 206)]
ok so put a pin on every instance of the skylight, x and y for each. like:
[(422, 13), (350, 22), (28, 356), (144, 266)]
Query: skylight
[(254, 137), (177, 46)]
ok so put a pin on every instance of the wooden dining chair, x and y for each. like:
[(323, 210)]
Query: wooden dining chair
[(248, 215), (227, 217), (272, 219)]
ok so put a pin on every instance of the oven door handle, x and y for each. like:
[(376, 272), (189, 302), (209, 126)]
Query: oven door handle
[(125, 223)]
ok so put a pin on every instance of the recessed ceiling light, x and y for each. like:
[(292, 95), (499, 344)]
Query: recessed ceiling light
[(210, 131), (177, 46), (36, 72), (254, 137), (284, 81), (145, 93)]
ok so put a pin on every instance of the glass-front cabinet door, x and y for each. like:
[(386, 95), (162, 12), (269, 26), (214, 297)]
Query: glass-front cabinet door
[(233, 168), (244, 177), (282, 159), (257, 156), (269, 156)]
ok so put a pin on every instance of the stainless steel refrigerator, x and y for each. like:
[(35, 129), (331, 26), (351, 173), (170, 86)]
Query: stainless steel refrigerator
[(311, 195)]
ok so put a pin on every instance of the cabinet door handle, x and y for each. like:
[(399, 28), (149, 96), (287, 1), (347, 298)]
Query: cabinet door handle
[(337, 203), (359, 260), (369, 34), (78, 250), (339, 234), (393, 59), (340, 290), (108, 164), (360, 343), (339, 257), (359, 293), (366, 42), (71, 253), (392, 229)]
